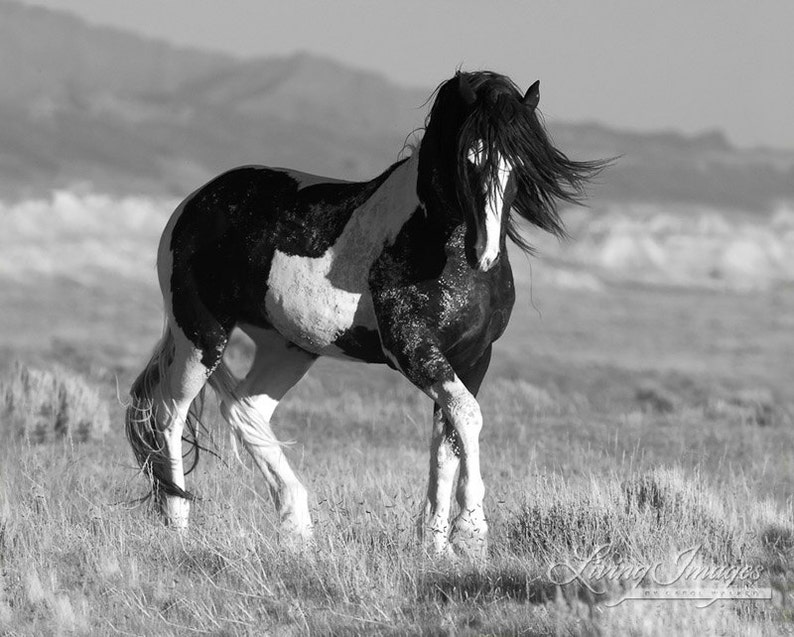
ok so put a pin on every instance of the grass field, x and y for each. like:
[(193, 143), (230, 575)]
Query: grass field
[(649, 420)]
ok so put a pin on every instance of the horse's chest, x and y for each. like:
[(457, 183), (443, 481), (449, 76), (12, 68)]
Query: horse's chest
[(474, 309)]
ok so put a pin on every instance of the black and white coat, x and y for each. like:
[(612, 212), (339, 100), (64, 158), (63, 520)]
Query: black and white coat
[(409, 269)]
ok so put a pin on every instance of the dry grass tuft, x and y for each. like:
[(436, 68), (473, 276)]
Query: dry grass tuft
[(43, 405), (652, 514)]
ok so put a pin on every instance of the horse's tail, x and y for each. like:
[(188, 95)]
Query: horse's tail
[(150, 395)]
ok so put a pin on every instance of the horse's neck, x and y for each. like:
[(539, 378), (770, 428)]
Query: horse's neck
[(397, 197)]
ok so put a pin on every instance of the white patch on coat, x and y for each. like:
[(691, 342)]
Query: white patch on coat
[(489, 232), (312, 301)]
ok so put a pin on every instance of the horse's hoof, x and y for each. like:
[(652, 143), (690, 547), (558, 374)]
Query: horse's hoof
[(469, 537), (176, 511), (434, 535), (294, 536)]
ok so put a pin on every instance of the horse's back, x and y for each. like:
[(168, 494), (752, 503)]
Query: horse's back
[(280, 249)]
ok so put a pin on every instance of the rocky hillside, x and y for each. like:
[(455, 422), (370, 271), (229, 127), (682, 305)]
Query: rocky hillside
[(121, 114), (97, 242)]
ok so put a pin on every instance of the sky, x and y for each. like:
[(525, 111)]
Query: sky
[(687, 65)]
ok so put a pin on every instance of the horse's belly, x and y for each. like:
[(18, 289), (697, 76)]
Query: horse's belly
[(312, 303)]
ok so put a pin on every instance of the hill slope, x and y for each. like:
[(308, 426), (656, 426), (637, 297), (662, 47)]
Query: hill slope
[(84, 104)]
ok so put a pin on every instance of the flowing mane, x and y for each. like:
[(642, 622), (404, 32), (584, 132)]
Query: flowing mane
[(544, 176)]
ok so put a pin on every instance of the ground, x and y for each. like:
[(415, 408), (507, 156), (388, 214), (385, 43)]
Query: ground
[(648, 419)]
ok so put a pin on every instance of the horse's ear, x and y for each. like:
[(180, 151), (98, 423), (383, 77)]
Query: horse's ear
[(466, 91), (532, 97)]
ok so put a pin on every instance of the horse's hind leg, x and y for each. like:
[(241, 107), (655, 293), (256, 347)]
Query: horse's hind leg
[(278, 366), (162, 397), (186, 378)]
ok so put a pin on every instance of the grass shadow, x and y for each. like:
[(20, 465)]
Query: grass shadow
[(487, 585)]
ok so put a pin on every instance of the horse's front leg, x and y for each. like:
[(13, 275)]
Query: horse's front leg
[(446, 447), (469, 533), (444, 460)]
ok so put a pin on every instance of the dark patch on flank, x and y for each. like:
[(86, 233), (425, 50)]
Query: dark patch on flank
[(224, 241)]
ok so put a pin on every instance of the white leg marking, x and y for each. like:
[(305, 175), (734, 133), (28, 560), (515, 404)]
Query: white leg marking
[(469, 530), (443, 465), (275, 371), (185, 377)]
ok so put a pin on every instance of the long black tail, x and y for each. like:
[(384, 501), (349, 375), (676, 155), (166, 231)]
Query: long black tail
[(150, 400)]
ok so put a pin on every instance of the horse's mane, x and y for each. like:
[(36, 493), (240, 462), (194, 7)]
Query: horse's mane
[(544, 175)]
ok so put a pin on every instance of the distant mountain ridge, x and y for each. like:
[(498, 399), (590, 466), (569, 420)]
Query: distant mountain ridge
[(123, 114)]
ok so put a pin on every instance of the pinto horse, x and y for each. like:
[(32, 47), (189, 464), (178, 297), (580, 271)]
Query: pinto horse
[(409, 269)]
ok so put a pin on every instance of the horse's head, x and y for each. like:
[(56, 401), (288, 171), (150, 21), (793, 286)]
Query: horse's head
[(486, 175), (503, 160)]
